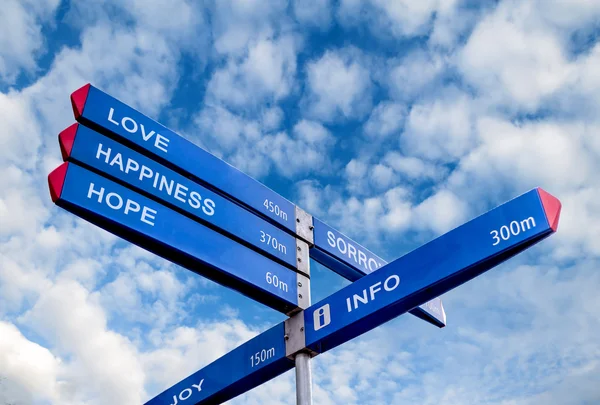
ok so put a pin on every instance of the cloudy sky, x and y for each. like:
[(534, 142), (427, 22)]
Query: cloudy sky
[(391, 120)]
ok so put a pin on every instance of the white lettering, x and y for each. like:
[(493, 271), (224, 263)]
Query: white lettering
[(373, 290), (167, 186), (338, 245), (331, 238), (147, 215), (118, 159), (131, 130), (390, 284), (100, 152), (131, 165), (394, 277), (156, 177), (199, 386), (110, 116), (119, 201), (145, 172), (362, 298), (145, 136), (375, 267), (209, 207), (161, 143), (352, 252), (91, 192), (189, 394), (130, 125), (178, 191), (132, 206), (194, 200), (362, 258)]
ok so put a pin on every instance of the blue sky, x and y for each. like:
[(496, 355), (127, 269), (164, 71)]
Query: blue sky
[(391, 120)]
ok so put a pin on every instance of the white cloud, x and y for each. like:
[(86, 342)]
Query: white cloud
[(514, 60), (440, 213), (356, 172), (313, 12), (383, 212), (453, 19), (29, 371), (398, 18), (416, 74), (251, 147), (304, 152), (66, 315), (112, 319), (237, 23), (226, 129), (382, 176), (184, 350), (414, 169), (266, 73), (405, 17), (440, 129), (21, 40), (272, 118), (339, 85), (386, 119), (570, 16)]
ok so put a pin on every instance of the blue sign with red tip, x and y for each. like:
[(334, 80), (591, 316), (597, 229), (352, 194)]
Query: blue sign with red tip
[(86, 147), (109, 116), (146, 184), (177, 238), (436, 267), (431, 270)]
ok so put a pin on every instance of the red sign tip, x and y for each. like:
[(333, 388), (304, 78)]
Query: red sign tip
[(66, 139), (552, 208), (78, 98), (56, 180)]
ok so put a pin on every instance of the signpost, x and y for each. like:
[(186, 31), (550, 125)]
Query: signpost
[(86, 147), (431, 270), (139, 180), (436, 267), (109, 116), (352, 261), (176, 238), (249, 365)]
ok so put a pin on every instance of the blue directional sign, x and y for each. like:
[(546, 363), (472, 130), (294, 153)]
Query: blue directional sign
[(353, 261), (173, 236), (254, 362), (434, 268), (431, 270), (111, 117), (90, 149), (342, 254), (108, 115)]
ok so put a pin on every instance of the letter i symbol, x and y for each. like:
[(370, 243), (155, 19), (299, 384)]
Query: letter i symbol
[(322, 317)]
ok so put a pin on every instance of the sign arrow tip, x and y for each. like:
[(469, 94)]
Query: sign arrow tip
[(66, 139), (78, 98), (552, 208), (56, 180)]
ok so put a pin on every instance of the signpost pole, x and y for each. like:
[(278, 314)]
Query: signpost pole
[(304, 372), (303, 379)]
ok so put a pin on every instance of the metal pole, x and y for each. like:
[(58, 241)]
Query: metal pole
[(303, 379), (303, 367)]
